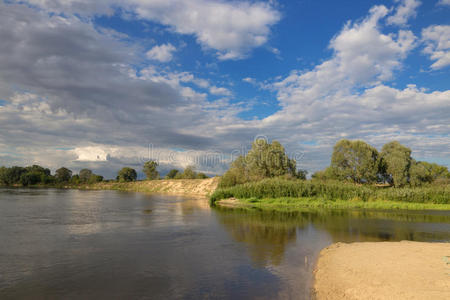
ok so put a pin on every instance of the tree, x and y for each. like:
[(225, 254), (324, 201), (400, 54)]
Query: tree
[(355, 160), (127, 174), (75, 179), (30, 178), (95, 178), (172, 174), (13, 174), (301, 174), (63, 175), (422, 172), (38, 169), (150, 170), (264, 160), (395, 163), (3, 176), (201, 176), (326, 174), (189, 173), (85, 175)]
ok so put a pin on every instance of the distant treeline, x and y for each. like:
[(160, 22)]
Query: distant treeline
[(37, 175)]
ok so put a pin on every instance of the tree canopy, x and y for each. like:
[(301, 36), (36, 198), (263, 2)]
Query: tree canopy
[(63, 175), (127, 174), (264, 160), (355, 160), (150, 170)]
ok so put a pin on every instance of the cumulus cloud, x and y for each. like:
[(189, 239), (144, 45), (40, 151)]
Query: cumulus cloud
[(437, 45), (220, 91), (162, 53), (327, 103), (444, 2), (405, 11), (232, 29), (74, 98)]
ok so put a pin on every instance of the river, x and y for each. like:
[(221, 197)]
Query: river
[(118, 245)]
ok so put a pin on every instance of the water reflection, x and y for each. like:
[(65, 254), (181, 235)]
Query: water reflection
[(268, 234)]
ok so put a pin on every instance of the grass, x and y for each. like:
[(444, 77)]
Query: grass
[(285, 194), (292, 204)]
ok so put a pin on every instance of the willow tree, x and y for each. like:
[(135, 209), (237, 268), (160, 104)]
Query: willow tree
[(264, 160), (150, 170), (396, 163), (356, 161)]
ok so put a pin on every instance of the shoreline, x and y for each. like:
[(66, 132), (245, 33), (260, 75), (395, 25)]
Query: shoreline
[(383, 270), (296, 204), (176, 187)]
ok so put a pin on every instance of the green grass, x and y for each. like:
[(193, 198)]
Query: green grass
[(310, 193), (292, 204)]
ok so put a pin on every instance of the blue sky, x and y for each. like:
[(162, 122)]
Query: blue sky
[(99, 84)]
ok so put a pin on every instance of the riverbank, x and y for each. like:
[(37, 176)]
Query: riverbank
[(383, 270), (190, 187), (287, 204)]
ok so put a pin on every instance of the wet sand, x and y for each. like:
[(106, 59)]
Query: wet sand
[(383, 270)]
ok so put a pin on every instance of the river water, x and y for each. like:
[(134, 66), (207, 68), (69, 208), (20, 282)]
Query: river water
[(116, 245)]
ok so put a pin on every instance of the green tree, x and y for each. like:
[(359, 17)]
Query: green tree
[(326, 174), (30, 178), (301, 174), (189, 173), (355, 160), (422, 172), (396, 162), (85, 175), (63, 175), (38, 169), (127, 174), (95, 178), (150, 170), (13, 175), (201, 176), (75, 179), (3, 176), (264, 160), (172, 174)]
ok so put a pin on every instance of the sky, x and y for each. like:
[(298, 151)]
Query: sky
[(111, 83)]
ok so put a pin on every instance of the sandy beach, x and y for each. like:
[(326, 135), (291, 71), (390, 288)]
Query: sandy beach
[(383, 270)]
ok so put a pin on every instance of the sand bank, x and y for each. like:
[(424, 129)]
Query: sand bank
[(383, 270)]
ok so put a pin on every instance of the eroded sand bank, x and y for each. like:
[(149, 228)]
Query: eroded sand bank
[(383, 270)]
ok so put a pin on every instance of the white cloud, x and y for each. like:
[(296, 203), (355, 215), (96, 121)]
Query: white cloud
[(407, 9), (84, 92), (437, 45), (91, 153), (220, 91), (249, 80), (232, 29), (162, 53), (362, 56), (444, 2)]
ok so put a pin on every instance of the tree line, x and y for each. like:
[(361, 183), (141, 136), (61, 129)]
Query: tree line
[(353, 161), (128, 174), (35, 174), (359, 162), (38, 175)]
